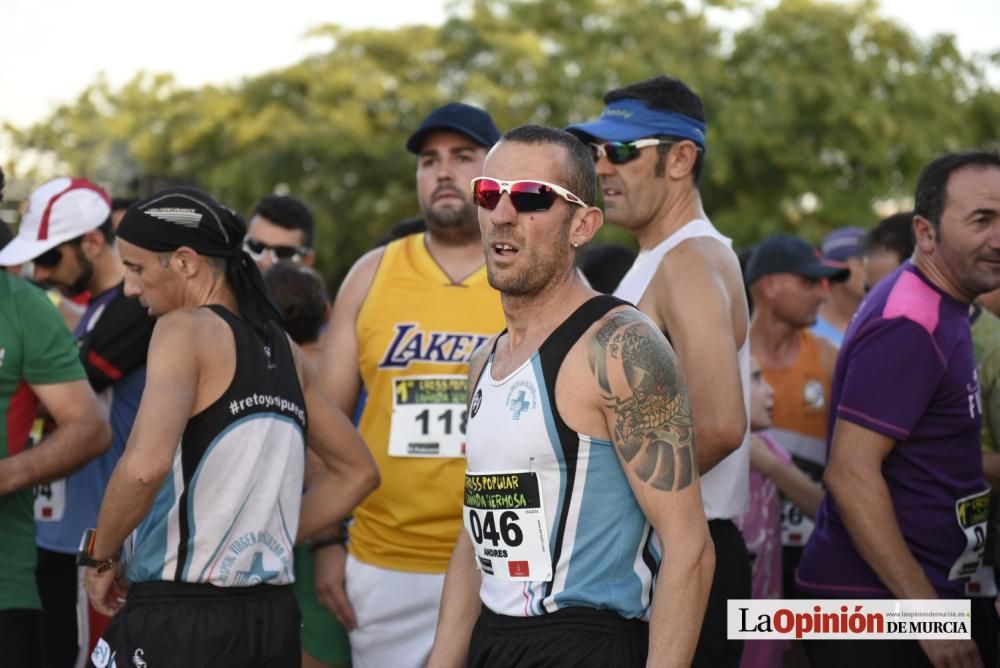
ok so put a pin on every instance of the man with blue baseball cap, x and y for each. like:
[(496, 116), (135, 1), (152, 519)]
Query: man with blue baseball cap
[(405, 323), (649, 147), (841, 248)]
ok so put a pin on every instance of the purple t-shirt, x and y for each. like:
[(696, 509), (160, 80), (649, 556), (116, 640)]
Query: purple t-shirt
[(906, 370)]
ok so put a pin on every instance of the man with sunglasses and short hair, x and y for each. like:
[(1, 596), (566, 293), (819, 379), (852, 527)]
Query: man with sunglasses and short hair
[(280, 230), (405, 323), (66, 234), (649, 149), (579, 446)]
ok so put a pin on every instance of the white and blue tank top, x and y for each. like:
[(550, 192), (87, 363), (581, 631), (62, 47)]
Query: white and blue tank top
[(549, 510), (228, 511)]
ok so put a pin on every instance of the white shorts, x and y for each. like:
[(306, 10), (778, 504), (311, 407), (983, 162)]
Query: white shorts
[(397, 613)]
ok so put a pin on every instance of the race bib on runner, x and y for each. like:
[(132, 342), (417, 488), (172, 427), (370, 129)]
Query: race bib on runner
[(982, 584), (50, 501), (795, 526), (505, 519), (972, 513), (428, 416)]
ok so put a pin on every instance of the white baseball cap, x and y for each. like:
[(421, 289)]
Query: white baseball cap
[(58, 211)]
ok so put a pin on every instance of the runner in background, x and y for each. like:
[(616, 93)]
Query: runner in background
[(841, 248), (406, 320), (301, 298), (907, 504), (786, 279), (66, 233), (649, 150)]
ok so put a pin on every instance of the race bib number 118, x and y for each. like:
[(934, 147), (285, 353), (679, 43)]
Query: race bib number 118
[(428, 417)]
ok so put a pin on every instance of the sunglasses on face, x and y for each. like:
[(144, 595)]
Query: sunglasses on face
[(525, 196), (49, 259), (257, 250), (619, 153)]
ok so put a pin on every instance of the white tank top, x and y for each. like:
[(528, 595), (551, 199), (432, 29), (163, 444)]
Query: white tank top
[(725, 490), (550, 512)]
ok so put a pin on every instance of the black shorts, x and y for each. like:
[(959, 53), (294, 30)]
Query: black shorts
[(732, 580), (581, 637), (187, 625)]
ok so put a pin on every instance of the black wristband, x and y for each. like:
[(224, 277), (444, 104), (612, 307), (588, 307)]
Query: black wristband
[(314, 545)]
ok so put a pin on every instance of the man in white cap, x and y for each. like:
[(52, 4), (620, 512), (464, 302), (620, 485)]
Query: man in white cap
[(66, 233), (38, 362)]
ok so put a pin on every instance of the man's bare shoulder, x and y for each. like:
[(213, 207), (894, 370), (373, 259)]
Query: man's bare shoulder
[(479, 355), (701, 256), (192, 329), (611, 326), (362, 273), (699, 281), (478, 360)]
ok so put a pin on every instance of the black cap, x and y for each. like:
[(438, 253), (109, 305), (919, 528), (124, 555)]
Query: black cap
[(470, 121), (782, 254)]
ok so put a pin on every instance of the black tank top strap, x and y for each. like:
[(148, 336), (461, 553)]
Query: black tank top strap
[(489, 358), (559, 342), (550, 357), (555, 348)]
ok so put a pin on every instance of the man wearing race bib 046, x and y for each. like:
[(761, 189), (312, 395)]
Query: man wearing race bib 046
[(579, 445), (907, 508), (405, 323)]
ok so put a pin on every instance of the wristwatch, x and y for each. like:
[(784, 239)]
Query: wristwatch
[(84, 554)]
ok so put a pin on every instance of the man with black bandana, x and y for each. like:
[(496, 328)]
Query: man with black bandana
[(211, 477), (66, 233)]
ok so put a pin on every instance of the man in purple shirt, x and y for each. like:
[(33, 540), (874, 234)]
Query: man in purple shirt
[(907, 505)]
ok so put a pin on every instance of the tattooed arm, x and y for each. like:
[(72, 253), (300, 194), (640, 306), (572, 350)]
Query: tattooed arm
[(645, 403)]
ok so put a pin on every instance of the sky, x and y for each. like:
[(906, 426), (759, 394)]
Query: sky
[(50, 50)]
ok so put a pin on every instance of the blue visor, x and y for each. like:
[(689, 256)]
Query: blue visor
[(628, 120)]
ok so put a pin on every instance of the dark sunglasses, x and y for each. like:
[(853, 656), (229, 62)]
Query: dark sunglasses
[(525, 196), (49, 259), (619, 153), (257, 249)]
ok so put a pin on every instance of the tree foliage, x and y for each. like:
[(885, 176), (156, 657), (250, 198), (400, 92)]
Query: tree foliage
[(816, 110)]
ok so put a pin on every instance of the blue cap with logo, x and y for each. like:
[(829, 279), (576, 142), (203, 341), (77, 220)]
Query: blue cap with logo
[(465, 119), (628, 120)]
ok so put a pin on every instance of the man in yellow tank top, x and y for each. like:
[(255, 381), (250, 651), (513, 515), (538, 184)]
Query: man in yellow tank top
[(786, 279), (406, 321)]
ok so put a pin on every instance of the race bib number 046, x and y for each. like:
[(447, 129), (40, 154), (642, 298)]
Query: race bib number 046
[(504, 517), (428, 416)]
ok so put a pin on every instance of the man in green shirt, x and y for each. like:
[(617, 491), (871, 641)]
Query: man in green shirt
[(39, 362)]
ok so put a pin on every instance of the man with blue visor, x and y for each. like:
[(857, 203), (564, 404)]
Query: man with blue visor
[(649, 147)]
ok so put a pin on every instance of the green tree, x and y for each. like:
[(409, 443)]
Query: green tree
[(815, 110)]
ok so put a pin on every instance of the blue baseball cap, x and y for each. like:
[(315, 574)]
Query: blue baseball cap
[(842, 244), (783, 254), (470, 121), (629, 119)]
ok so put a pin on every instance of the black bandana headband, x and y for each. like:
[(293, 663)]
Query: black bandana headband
[(183, 216)]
